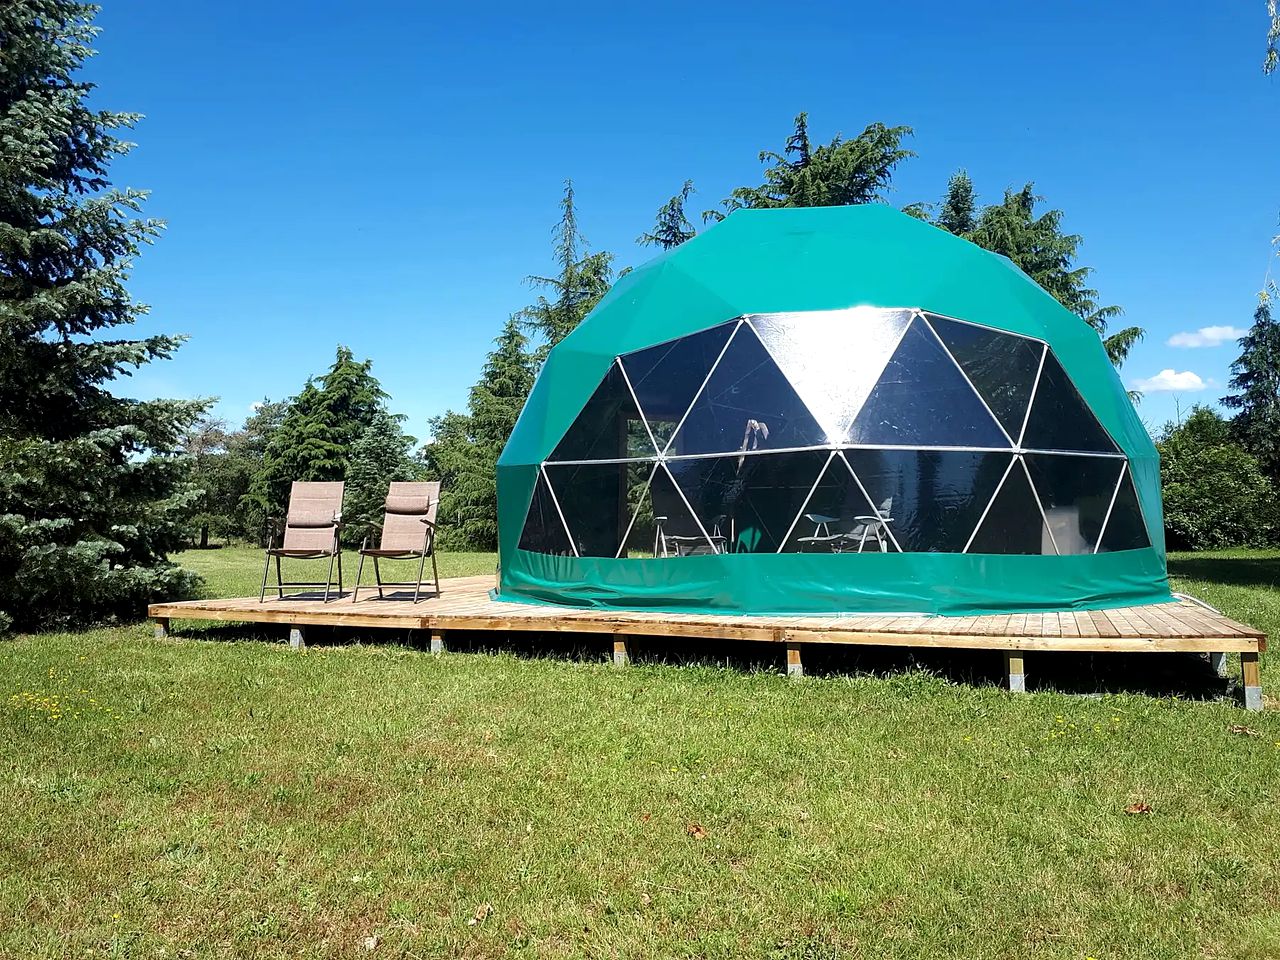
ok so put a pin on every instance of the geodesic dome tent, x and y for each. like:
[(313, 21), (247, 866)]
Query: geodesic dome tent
[(830, 410)]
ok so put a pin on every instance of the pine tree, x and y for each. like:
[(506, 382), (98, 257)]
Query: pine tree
[(314, 439), (1256, 382), (1271, 59), (835, 174), (583, 279), (380, 455), (93, 492), (464, 450), (671, 226)]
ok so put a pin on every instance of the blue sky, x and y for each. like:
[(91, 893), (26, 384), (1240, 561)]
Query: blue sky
[(385, 175)]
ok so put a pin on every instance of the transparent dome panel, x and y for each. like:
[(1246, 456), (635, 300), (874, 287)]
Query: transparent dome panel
[(544, 531), (832, 357), (1126, 529), (609, 427), (1075, 493), (1002, 367), (746, 404), (662, 525), (666, 378), (594, 499), (1059, 417), (922, 399), (748, 504), (933, 499), (1014, 523), (838, 517)]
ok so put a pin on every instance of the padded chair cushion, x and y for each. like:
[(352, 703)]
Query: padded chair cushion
[(310, 518), (406, 505)]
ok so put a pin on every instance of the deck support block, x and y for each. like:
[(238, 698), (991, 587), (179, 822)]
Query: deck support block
[(1218, 662), (1251, 681), (1015, 671), (795, 663), (437, 642), (621, 656), (297, 638), (161, 627)]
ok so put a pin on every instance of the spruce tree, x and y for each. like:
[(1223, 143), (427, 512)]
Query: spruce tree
[(582, 280), (464, 449), (1256, 382), (93, 491), (671, 226), (314, 439), (958, 211), (381, 454)]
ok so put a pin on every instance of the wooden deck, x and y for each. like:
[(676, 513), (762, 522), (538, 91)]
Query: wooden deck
[(464, 604)]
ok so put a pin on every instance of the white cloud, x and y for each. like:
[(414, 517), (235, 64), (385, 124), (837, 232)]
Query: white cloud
[(255, 406), (1206, 337), (1170, 380)]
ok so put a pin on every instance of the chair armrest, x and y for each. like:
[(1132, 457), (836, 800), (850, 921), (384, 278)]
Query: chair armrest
[(429, 523), (875, 519)]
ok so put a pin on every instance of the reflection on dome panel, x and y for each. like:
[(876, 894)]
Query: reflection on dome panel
[(664, 527), (597, 502), (747, 504), (1001, 366), (832, 357), (1014, 523), (1059, 417), (922, 399), (838, 517), (747, 404)]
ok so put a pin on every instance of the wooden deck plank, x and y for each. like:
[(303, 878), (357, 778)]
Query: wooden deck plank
[(465, 604)]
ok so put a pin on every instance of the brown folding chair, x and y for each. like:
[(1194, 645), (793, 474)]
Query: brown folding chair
[(408, 533), (310, 533)]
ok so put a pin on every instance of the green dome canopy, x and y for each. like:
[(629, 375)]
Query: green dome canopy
[(824, 410)]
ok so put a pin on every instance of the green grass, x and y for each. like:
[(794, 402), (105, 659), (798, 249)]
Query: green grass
[(225, 797)]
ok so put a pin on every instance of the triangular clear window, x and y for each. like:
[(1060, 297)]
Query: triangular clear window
[(922, 399), (1126, 529), (1059, 417), (1002, 367), (838, 517), (594, 498), (662, 525), (609, 427), (748, 504), (666, 377), (543, 531), (746, 404), (1014, 523), (832, 357), (933, 498), (1075, 493)]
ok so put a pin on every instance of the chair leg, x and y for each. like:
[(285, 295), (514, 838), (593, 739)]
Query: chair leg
[(435, 571), (279, 578), (355, 591), (377, 575), (338, 548), (417, 587), (266, 568), (328, 581)]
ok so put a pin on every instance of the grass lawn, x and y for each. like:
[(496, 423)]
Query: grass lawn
[(216, 795)]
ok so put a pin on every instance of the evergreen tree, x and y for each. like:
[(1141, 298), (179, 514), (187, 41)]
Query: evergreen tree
[(380, 455), (671, 227), (1037, 245), (315, 436), (834, 174), (93, 492), (1256, 382), (583, 279), (1272, 57), (464, 450), (958, 212)]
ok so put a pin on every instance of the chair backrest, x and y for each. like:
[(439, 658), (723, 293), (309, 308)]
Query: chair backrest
[(314, 511), (408, 504), (886, 508)]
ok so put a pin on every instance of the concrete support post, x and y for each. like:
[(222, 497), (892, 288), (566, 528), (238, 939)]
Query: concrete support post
[(1251, 681), (437, 642), (795, 663), (161, 627), (621, 656), (1015, 671), (297, 638)]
